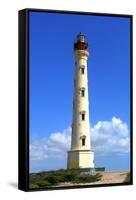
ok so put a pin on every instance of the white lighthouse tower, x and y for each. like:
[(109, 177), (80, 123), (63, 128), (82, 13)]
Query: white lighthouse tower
[(80, 155)]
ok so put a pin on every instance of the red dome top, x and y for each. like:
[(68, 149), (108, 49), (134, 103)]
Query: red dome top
[(80, 43)]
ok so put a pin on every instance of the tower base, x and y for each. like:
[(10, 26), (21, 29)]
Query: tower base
[(80, 159)]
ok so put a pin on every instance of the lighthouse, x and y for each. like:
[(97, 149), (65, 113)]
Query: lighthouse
[(80, 155)]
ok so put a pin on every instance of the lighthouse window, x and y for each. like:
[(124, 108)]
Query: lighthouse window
[(82, 70), (82, 92), (83, 141), (83, 116)]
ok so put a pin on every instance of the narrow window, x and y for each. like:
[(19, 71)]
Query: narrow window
[(83, 141), (82, 70), (83, 116), (82, 92)]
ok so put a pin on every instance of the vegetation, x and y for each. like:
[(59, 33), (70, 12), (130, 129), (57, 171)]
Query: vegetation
[(52, 178)]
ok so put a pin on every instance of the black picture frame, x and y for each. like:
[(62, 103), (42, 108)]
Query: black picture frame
[(23, 122)]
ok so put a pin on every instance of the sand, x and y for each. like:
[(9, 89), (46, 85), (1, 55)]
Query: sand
[(107, 178)]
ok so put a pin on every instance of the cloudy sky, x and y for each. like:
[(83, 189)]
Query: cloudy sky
[(51, 88)]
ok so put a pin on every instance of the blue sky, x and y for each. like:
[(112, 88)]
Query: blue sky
[(52, 71)]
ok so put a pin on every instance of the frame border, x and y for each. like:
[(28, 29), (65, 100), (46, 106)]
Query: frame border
[(23, 98)]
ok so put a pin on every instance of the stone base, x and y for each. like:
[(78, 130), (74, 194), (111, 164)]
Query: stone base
[(80, 159), (92, 170), (87, 170), (99, 169)]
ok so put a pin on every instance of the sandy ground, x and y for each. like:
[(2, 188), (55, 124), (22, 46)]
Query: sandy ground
[(107, 178)]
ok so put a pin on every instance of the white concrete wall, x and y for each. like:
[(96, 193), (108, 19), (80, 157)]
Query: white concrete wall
[(80, 156), (80, 159), (86, 159), (79, 127)]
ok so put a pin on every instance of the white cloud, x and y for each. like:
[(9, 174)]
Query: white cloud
[(54, 147), (107, 137), (110, 137)]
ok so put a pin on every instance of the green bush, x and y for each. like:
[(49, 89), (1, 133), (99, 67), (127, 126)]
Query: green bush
[(33, 186), (71, 175), (42, 183), (50, 178), (87, 178)]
